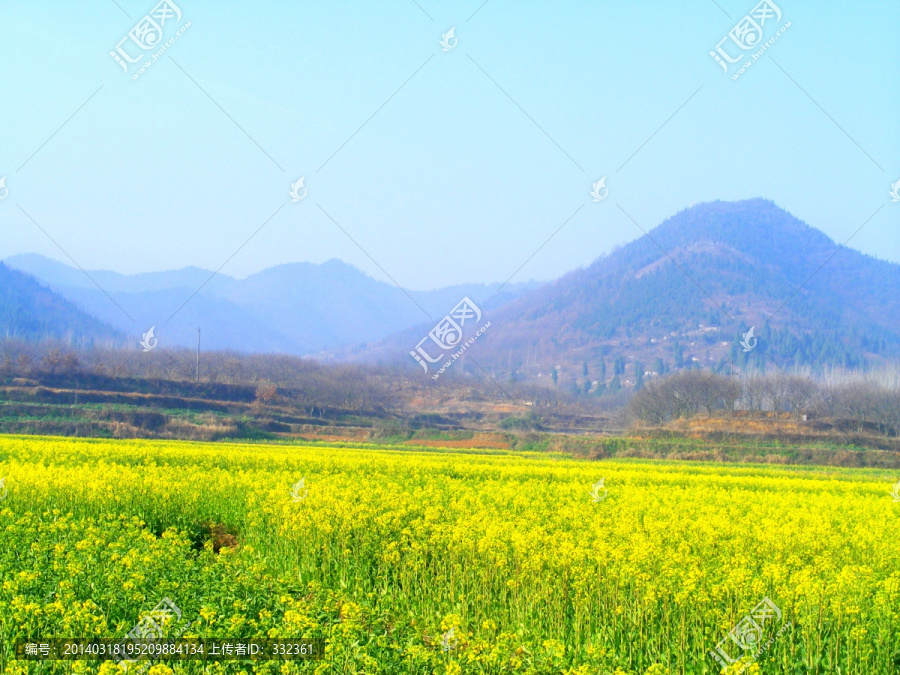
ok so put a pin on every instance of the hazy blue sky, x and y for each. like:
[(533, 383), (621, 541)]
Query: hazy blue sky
[(452, 179)]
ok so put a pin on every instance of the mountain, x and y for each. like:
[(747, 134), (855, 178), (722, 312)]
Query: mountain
[(30, 311), (298, 308), (685, 294)]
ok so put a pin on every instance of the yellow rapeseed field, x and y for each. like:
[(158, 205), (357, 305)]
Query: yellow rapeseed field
[(450, 562)]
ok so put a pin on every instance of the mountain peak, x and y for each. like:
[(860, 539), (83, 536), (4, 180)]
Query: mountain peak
[(703, 276), (746, 221)]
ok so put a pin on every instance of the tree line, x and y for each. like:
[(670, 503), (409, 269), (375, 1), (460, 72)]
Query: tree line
[(265, 379), (319, 389), (865, 401)]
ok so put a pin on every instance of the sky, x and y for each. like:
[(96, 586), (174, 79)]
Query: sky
[(432, 164)]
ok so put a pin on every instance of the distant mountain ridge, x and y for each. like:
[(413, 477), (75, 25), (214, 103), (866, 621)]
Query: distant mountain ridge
[(31, 311), (297, 308), (684, 294), (681, 296)]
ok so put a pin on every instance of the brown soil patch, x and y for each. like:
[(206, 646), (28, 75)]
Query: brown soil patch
[(219, 535), (477, 441)]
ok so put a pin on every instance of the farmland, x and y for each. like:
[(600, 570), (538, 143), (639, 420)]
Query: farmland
[(415, 560)]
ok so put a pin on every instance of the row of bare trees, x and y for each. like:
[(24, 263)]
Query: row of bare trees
[(276, 379), (314, 387), (860, 401)]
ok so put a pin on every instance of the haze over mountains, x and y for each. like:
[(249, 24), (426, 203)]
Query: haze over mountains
[(30, 311), (299, 308), (682, 295)]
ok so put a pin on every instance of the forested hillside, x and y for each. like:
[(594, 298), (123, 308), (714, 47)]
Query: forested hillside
[(30, 311)]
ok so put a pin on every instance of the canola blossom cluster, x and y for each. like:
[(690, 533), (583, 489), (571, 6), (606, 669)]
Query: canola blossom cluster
[(442, 561)]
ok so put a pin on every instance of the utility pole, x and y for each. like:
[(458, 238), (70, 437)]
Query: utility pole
[(198, 353)]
